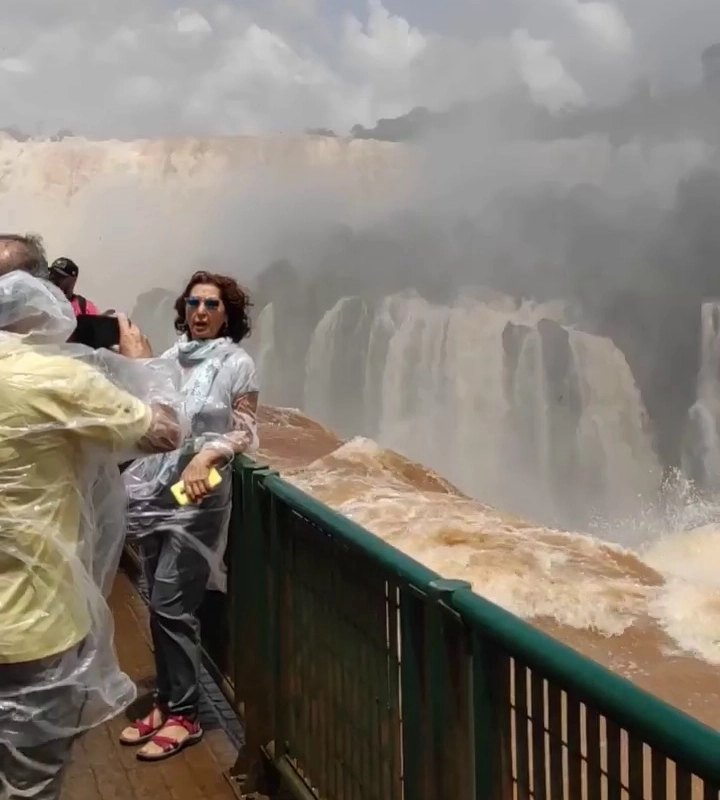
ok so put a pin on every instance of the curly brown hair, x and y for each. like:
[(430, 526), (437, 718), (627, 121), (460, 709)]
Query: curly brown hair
[(235, 299)]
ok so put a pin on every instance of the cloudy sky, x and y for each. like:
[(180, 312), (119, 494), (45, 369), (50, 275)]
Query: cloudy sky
[(146, 67)]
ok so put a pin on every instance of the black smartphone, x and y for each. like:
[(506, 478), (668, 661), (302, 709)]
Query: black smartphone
[(96, 332)]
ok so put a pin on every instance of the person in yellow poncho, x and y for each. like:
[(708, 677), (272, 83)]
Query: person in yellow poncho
[(64, 418)]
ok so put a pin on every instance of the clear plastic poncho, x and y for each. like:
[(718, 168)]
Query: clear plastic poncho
[(218, 384), (68, 416)]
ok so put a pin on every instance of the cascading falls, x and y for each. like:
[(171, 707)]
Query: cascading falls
[(517, 409), (701, 457)]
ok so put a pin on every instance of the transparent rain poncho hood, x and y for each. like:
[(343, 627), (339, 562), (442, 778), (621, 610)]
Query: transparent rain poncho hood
[(218, 377), (68, 417)]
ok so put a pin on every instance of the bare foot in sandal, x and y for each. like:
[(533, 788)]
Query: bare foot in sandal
[(142, 730), (175, 735)]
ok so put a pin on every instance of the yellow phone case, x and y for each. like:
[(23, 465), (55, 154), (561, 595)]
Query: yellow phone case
[(178, 489)]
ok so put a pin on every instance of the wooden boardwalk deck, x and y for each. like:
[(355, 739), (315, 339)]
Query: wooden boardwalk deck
[(104, 770)]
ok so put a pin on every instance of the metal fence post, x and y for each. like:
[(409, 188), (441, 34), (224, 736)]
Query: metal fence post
[(449, 674), (415, 713), (491, 737), (237, 542), (252, 629)]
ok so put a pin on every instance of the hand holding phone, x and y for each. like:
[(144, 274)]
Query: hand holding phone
[(96, 332), (178, 489), (133, 344)]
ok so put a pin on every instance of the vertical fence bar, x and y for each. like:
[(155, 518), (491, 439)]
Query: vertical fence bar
[(659, 780), (448, 672), (614, 760), (284, 675), (574, 746), (491, 706), (592, 738), (556, 757), (538, 709), (415, 736), (683, 784), (236, 577), (255, 681), (522, 732), (394, 712), (277, 604), (636, 767)]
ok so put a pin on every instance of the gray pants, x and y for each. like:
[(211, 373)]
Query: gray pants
[(34, 773), (176, 569), (32, 764)]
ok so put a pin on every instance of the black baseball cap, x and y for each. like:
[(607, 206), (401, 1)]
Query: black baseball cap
[(65, 267)]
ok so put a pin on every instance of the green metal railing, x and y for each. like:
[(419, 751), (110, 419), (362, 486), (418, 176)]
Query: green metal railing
[(363, 675)]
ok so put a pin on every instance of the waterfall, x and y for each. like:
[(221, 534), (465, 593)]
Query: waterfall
[(616, 460), (386, 321), (477, 421), (413, 409), (266, 356), (513, 406), (319, 377), (527, 433), (335, 366), (701, 459)]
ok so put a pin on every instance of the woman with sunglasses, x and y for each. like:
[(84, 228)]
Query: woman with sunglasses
[(180, 544)]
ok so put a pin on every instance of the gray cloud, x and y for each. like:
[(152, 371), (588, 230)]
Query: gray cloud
[(135, 68)]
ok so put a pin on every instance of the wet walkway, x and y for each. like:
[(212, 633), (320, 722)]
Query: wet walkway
[(104, 770)]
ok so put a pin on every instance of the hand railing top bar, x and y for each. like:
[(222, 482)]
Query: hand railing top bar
[(694, 746)]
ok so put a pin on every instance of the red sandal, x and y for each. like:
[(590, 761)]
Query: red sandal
[(168, 745), (145, 730)]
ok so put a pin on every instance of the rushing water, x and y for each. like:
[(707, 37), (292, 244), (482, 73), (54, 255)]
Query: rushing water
[(517, 409)]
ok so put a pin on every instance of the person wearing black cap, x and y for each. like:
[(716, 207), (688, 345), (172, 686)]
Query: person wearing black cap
[(64, 274)]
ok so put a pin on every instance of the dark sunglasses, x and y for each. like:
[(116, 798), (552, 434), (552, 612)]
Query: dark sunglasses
[(210, 303)]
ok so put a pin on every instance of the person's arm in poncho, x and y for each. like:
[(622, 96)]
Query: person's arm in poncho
[(241, 438), (78, 398)]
